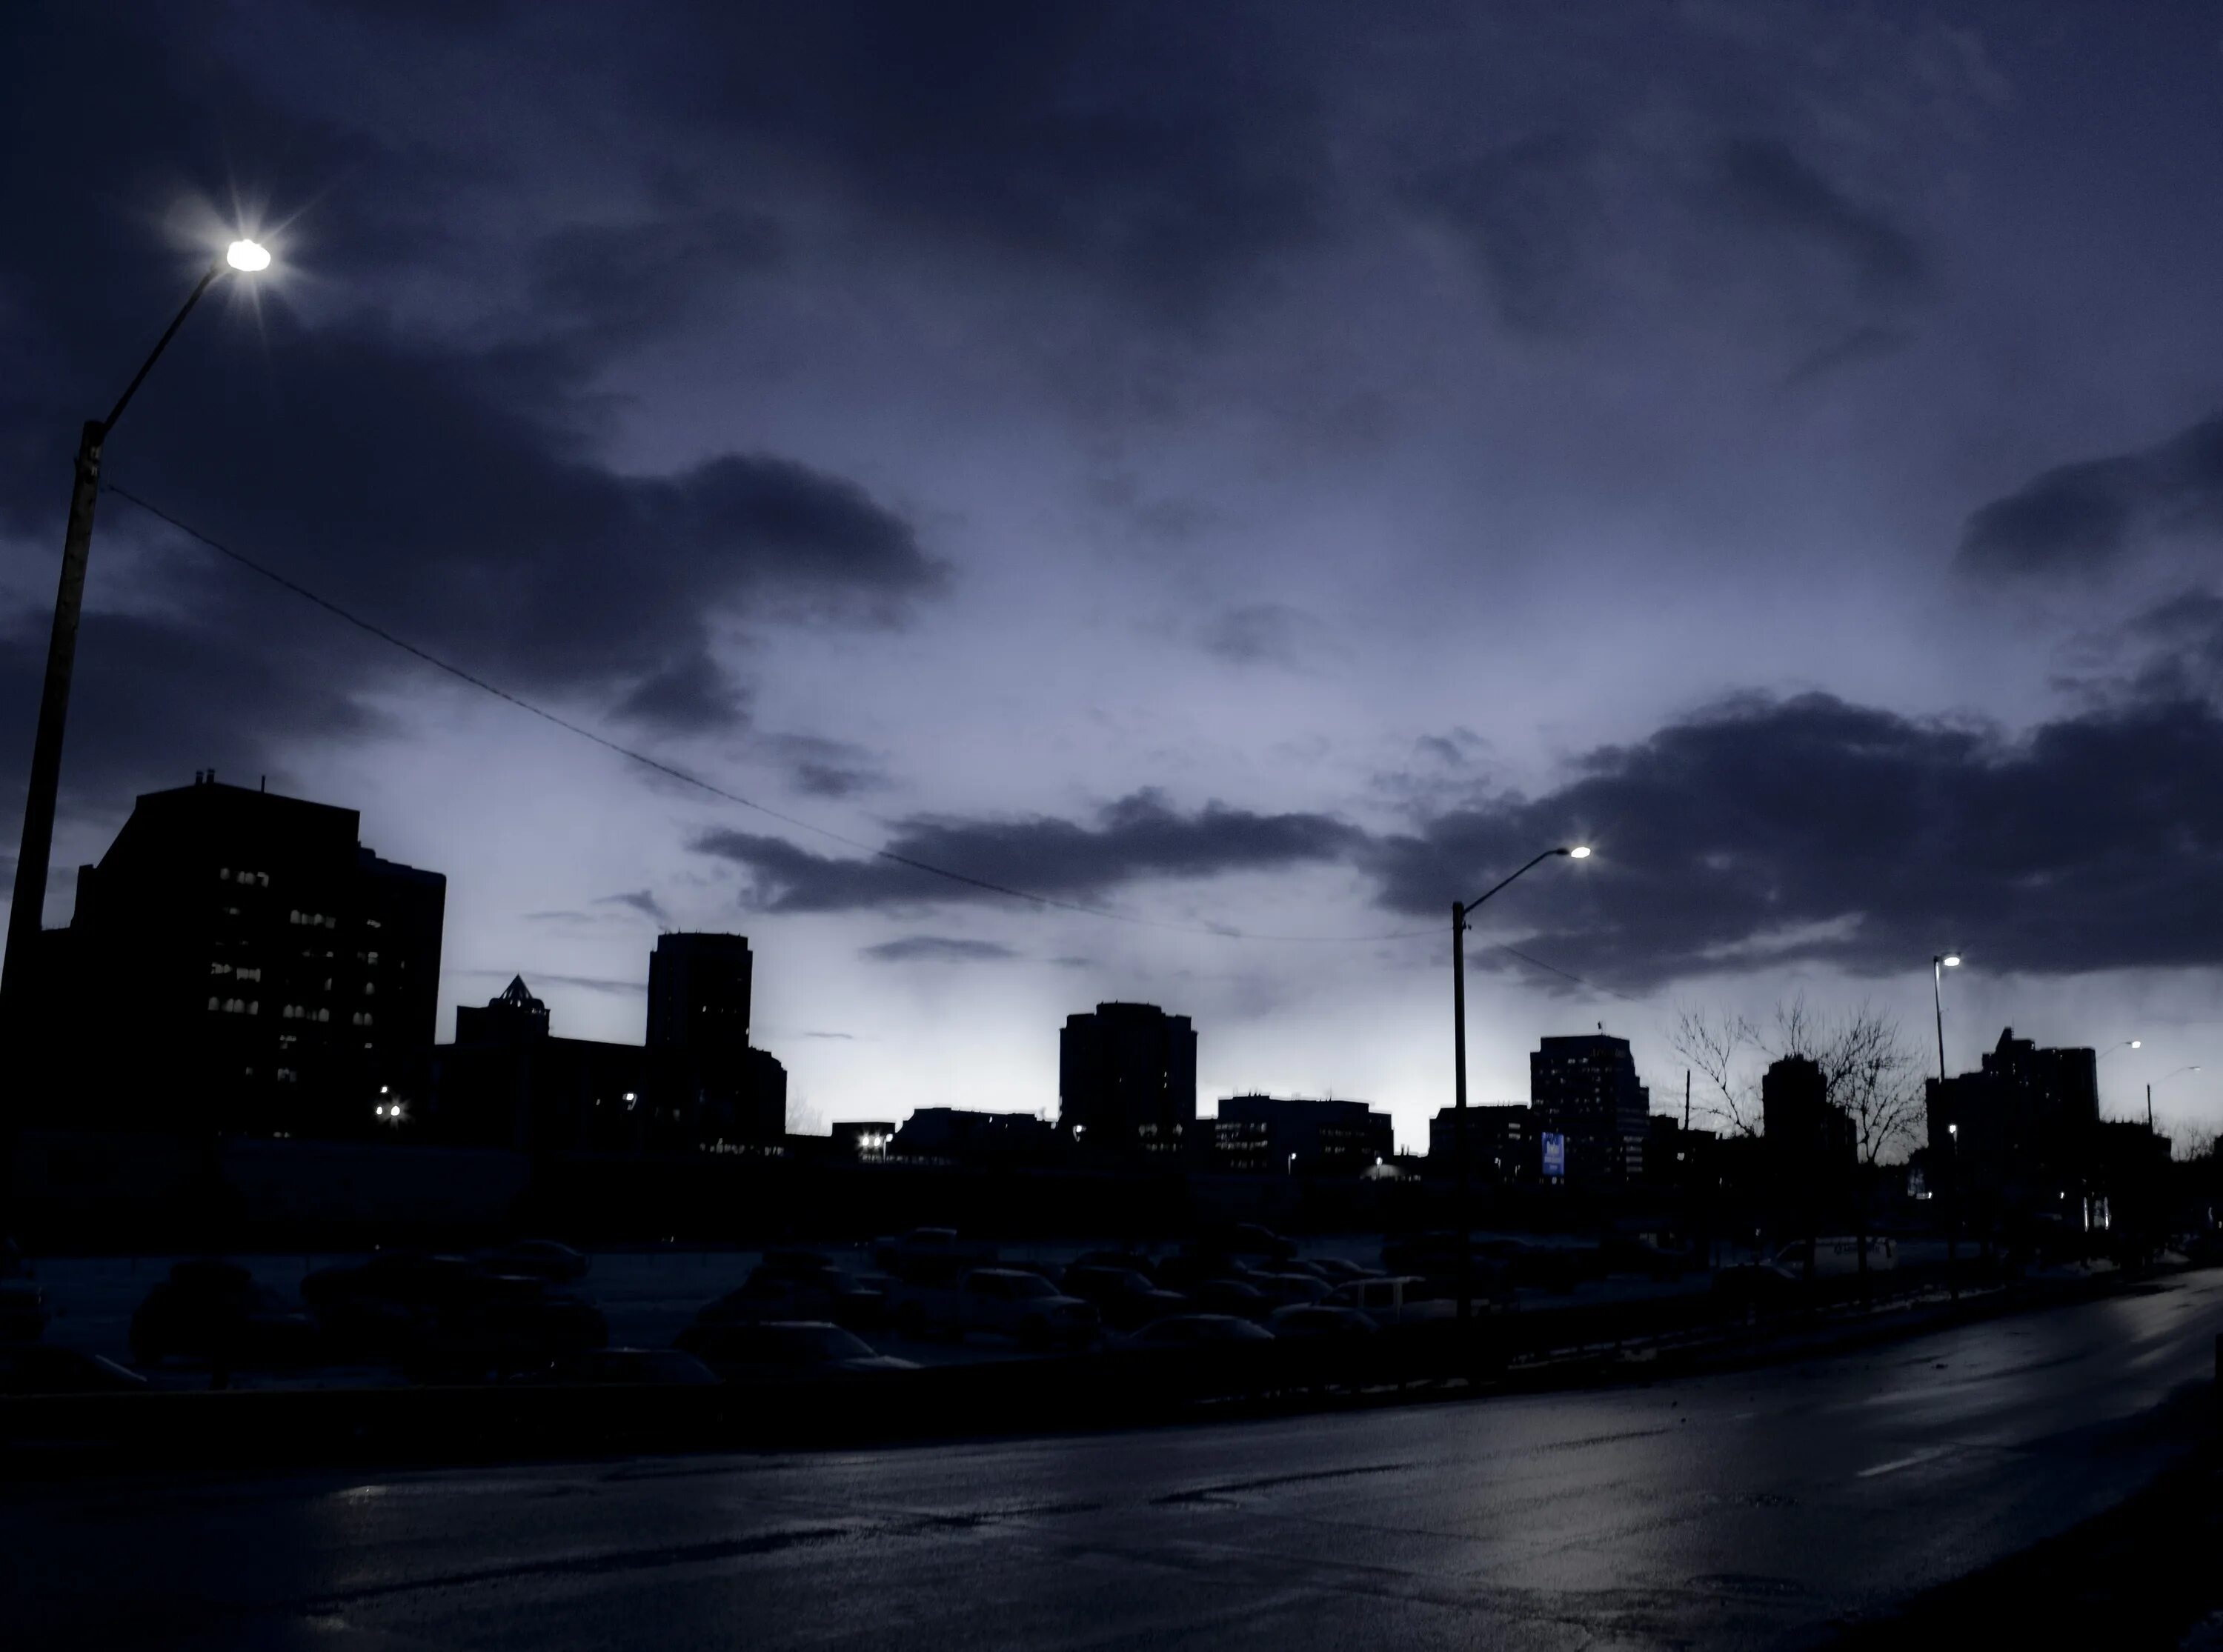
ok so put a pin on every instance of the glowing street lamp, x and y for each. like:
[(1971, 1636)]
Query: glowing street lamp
[(1459, 911), (27, 916)]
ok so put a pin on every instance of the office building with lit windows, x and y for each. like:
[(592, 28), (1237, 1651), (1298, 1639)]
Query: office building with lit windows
[(238, 962), (1126, 1080)]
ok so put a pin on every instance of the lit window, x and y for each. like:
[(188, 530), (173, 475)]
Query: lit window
[(214, 1004), (217, 966), (224, 873), (371, 958), (369, 987), (246, 974), (323, 1014)]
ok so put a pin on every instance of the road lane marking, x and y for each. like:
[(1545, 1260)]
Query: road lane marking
[(1897, 1463)]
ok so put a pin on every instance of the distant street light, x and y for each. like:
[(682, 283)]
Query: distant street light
[(1459, 911), (27, 916)]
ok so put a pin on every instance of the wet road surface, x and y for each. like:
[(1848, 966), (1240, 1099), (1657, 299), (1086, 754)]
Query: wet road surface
[(1754, 1510)]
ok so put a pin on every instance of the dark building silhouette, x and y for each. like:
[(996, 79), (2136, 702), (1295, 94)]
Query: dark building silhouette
[(508, 1082), (2021, 1100), (968, 1137), (2015, 1135), (1310, 1137), (239, 962), (1807, 1137), (1585, 1088), (709, 1081), (1501, 1144), (1127, 1080)]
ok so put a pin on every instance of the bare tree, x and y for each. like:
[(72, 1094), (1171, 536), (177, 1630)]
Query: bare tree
[(1723, 1049)]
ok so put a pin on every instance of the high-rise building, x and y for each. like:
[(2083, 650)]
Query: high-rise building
[(1324, 1138), (698, 992), (708, 1081), (1126, 1079), (1585, 1088), (1501, 1144), (2016, 1127), (239, 962)]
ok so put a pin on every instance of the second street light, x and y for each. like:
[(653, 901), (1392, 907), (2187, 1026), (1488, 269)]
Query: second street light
[(26, 917), (2163, 1079), (1460, 909), (1938, 965)]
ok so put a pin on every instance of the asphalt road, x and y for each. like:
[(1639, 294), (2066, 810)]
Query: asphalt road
[(1755, 1509)]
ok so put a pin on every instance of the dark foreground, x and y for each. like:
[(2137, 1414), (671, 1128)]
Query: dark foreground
[(1763, 1509)]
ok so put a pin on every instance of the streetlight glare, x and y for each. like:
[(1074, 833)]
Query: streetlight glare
[(248, 256), (1951, 960), (2137, 1044), (1580, 851)]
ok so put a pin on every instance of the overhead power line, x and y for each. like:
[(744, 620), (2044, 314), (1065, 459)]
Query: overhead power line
[(673, 771)]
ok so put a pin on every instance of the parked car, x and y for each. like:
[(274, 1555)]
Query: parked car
[(1009, 1302), (632, 1368), (778, 1350), (211, 1309), (777, 1292), (1235, 1297), (40, 1368), (1337, 1270), (1306, 1319), (1249, 1239), (1199, 1330), (931, 1255), (1123, 1297), (1135, 1261), (448, 1320), (1401, 1300), (539, 1258), (1193, 1268), (1282, 1288)]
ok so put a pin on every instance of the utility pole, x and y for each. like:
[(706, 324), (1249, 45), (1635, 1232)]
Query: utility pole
[(1458, 1113), (27, 916)]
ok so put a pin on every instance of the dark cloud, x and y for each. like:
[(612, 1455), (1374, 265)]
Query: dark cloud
[(939, 948), (641, 901), (622, 282), (1165, 149), (2081, 519), (1266, 633), (691, 696), (1763, 185), (1766, 832), (1532, 214), (1139, 837), (820, 768), (153, 700)]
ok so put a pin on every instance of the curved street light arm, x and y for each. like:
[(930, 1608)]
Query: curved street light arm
[(1502, 883), (161, 344)]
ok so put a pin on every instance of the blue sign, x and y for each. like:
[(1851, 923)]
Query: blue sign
[(1555, 1153)]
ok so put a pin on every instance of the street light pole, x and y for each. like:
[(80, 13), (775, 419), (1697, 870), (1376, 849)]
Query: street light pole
[(1938, 965), (1459, 911), (26, 915)]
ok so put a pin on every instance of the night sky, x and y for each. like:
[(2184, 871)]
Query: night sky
[(1260, 469)]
